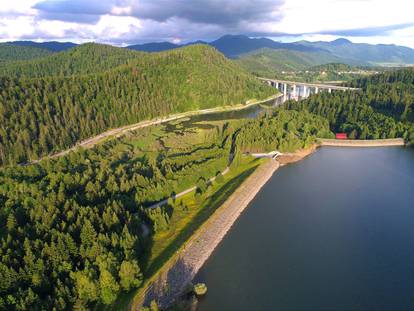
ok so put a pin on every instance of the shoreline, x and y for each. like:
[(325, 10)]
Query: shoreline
[(362, 142), (170, 282)]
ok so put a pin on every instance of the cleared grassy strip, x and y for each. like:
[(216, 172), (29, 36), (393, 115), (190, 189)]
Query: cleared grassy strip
[(184, 223)]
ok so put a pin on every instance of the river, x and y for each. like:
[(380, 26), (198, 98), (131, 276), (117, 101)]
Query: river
[(201, 120), (332, 232)]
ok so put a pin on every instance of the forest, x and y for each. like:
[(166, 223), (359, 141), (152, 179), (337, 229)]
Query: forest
[(73, 227), (77, 231), (88, 58), (67, 104), (11, 53), (383, 108)]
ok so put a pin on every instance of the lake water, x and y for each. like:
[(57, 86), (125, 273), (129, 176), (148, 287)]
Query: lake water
[(332, 232), (251, 112)]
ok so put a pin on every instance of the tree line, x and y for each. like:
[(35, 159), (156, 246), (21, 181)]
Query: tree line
[(43, 115), (72, 228), (382, 109)]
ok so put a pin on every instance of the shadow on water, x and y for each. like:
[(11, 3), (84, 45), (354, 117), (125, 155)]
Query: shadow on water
[(215, 201), (250, 112)]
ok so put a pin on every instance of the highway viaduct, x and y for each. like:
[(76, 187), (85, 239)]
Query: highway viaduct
[(299, 90)]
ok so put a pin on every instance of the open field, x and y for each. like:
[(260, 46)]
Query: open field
[(189, 214)]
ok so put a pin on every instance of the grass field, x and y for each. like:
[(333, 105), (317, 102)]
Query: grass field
[(189, 214)]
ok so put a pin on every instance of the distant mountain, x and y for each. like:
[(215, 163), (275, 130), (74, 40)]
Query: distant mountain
[(311, 53), (380, 54), (340, 50), (268, 61), (53, 46), (235, 45), (82, 59), (231, 46), (10, 53), (154, 47)]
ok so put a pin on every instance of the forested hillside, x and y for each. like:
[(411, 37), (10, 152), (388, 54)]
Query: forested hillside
[(364, 53), (269, 61), (53, 46), (83, 59), (286, 131), (77, 231), (10, 53), (43, 115), (382, 109)]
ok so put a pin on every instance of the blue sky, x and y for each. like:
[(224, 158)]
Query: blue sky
[(123, 22)]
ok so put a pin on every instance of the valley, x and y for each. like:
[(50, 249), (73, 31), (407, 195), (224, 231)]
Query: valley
[(114, 162)]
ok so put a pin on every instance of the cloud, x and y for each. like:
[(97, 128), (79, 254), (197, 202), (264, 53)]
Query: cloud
[(79, 10), (215, 12), (182, 20), (138, 21)]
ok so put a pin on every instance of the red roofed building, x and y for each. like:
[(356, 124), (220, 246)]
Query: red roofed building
[(341, 136)]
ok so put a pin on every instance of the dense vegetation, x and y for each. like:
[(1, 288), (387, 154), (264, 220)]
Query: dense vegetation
[(10, 53), (53, 46), (88, 58), (72, 228), (285, 131), (77, 231), (382, 109), (40, 116), (268, 61)]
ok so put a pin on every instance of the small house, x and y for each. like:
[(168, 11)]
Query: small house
[(341, 136)]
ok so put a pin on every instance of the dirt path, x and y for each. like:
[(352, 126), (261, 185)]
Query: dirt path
[(117, 132), (176, 274), (168, 284)]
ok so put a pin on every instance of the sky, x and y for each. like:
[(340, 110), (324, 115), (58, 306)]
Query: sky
[(124, 22)]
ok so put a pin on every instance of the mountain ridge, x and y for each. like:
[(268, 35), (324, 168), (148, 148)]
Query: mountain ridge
[(239, 46)]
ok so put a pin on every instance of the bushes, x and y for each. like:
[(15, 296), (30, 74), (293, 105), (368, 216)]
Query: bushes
[(285, 131)]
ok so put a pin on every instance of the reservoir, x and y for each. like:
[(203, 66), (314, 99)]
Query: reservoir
[(332, 232)]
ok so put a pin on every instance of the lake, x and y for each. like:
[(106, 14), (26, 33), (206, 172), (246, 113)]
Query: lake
[(332, 232), (251, 112)]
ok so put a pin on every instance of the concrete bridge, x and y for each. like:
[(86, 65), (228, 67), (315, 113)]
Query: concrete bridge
[(271, 154), (299, 90)]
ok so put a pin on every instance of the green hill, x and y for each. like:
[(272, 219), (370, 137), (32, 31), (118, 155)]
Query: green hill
[(83, 59), (363, 53), (267, 61), (10, 53), (53, 46), (44, 115), (383, 108)]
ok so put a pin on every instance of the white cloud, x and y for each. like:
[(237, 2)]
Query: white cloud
[(115, 20), (301, 16)]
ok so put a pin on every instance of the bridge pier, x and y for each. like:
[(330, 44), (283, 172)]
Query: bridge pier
[(294, 92)]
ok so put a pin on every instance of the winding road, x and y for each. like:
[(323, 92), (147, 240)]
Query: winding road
[(117, 132)]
